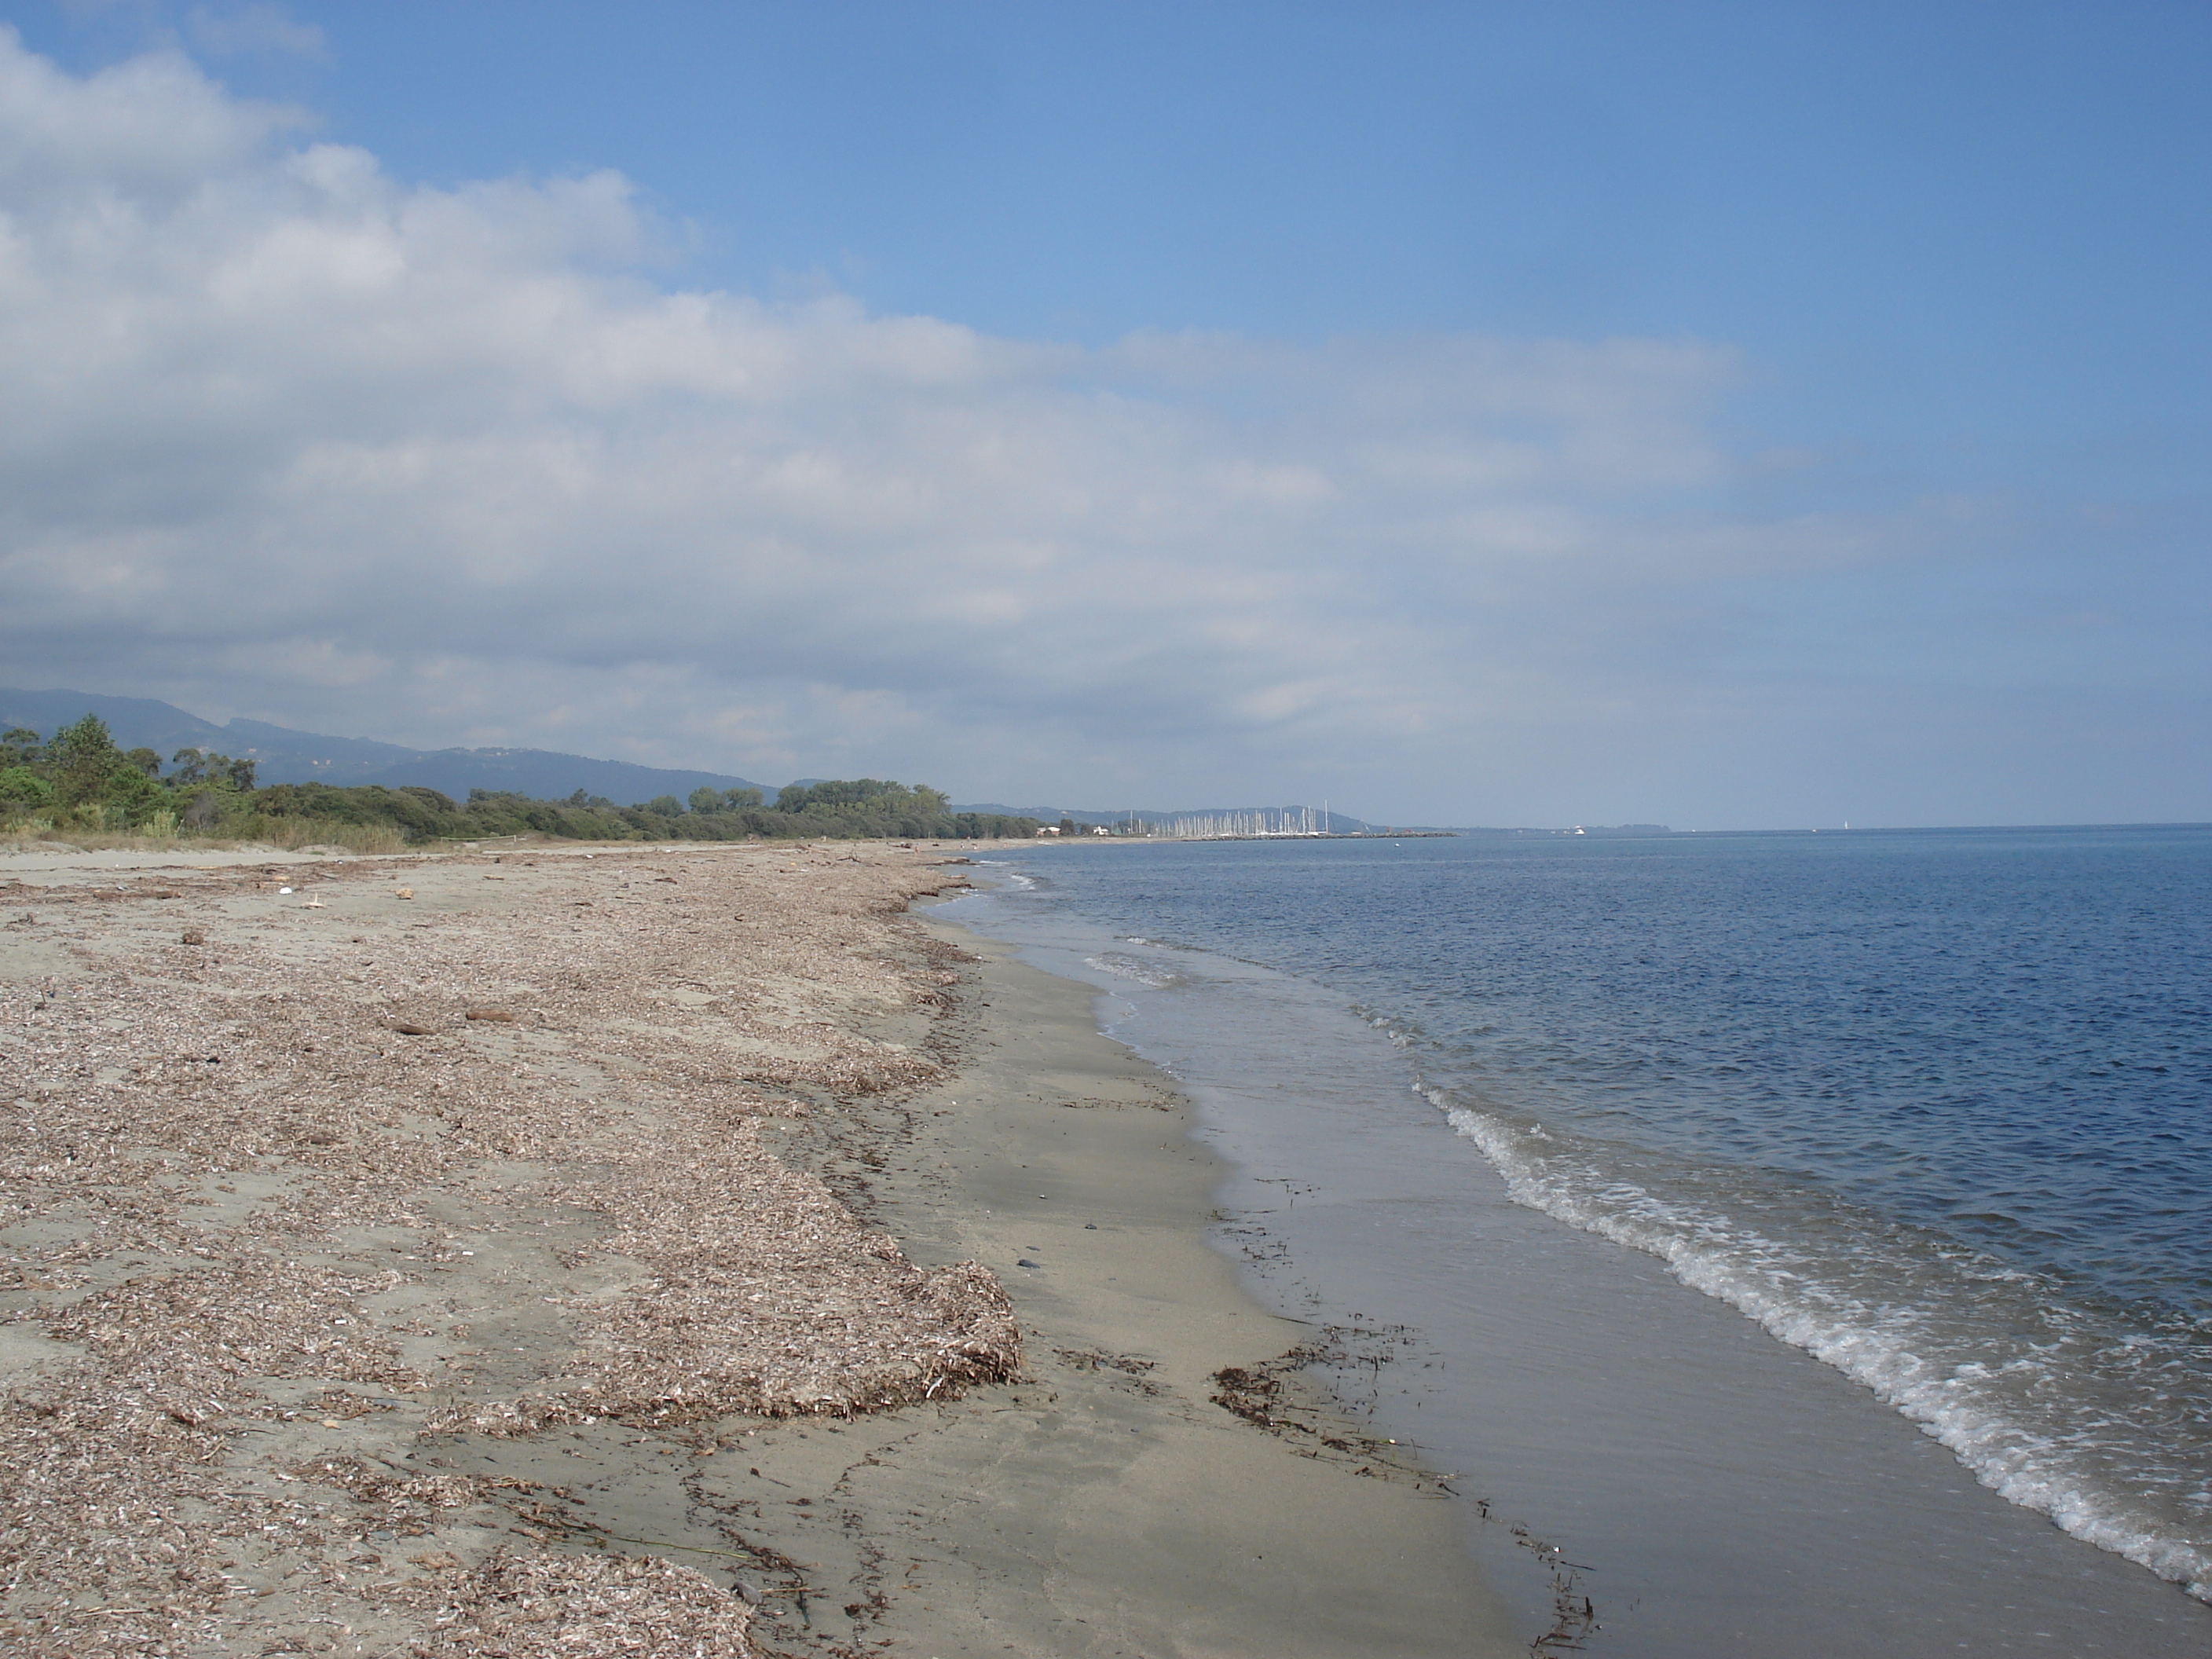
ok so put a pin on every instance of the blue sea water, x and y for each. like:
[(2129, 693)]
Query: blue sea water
[(1933, 1107)]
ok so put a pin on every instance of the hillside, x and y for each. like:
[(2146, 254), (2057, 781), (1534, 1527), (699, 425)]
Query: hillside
[(281, 755)]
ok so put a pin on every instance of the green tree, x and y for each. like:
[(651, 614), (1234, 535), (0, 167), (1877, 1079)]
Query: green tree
[(20, 746), (130, 795), (79, 760), (206, 765), (666, 805), (706, 799)]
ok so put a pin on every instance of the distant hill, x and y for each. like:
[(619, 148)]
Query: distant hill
[(136, 722), (284, 755)]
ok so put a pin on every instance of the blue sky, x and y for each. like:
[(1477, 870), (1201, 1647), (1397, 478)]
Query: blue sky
[(1717, 413)]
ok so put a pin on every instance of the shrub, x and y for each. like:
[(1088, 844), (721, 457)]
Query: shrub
[(21, 787)]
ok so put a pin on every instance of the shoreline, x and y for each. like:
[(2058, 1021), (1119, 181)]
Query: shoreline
[(1726, 1491), (1067, 1150), (499, 1245)]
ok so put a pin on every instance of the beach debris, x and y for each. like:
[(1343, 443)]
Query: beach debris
[(1025, 1263), (283, 890), (1269, 1396), (755, 1289), (545, 1603), (1251, 1394), (405, 893), (1094, 1358), (497, 1014)]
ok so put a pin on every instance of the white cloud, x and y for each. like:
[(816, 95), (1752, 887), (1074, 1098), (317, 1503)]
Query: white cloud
[(147, 130), (287, 437)]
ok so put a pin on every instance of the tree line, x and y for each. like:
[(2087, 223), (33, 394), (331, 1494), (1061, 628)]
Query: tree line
[(79, 779)]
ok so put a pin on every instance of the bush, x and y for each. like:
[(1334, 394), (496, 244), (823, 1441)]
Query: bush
[(21, 787)]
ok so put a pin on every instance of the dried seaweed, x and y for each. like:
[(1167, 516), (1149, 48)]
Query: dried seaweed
[(276, 1179)]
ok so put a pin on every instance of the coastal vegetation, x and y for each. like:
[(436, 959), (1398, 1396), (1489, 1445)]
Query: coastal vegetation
[(77, 783)]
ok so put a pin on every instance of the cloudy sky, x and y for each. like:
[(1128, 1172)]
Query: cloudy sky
[(1722, 416)]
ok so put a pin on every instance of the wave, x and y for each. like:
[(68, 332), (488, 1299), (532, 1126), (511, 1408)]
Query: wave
[(2090, 1417), (1124, 966)]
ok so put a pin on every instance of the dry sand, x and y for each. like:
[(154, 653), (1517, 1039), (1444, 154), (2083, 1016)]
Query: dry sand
[(568, 1253)]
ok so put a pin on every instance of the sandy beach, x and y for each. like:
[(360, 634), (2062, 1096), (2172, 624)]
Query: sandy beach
[(631, 1249)]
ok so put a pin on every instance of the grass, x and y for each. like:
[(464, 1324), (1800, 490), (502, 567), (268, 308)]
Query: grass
[(284, 835), (291, 834)]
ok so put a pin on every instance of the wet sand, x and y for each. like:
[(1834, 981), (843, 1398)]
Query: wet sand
[(676, 1298)]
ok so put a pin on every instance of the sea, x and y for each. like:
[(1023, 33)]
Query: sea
[(1786, 1243)]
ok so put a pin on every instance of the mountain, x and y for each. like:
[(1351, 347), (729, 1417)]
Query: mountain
[(284, 755), (136, 722)]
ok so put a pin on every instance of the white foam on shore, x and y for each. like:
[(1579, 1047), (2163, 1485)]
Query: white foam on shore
[(2053, 1407), (1122, 966)]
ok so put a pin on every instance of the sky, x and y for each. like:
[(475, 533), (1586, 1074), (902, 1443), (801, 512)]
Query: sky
[(1763, 416)]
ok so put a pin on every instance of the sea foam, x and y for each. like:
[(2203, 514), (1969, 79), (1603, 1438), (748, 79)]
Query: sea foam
[(2056, 1408)]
